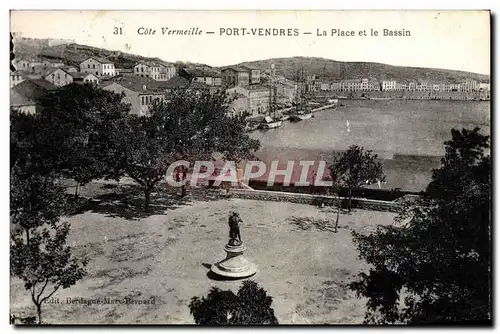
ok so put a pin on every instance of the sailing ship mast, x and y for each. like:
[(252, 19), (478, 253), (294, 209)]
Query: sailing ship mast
[(272, 94)]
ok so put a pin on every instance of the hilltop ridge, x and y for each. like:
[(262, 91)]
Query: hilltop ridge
[(327, 69), (338, 70)]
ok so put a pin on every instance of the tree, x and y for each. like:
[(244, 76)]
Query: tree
[(251, 306), (38, 254), (73, 130), (190, 126), (201, 126), (143, 151), (356, 168), (438, 255)]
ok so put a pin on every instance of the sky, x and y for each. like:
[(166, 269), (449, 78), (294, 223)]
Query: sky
[(457, 40)]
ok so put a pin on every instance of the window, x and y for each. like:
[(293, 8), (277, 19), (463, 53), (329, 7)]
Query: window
[(96, 73), (142, 100), (93, 65), (142, 69), (88, 65)]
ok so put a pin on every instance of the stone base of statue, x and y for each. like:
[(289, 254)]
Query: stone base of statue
[(235, 265)]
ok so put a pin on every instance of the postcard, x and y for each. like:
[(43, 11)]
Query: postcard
[(247, 167)]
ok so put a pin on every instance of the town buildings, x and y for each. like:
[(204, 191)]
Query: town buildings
[(84, 78), (21, 103), (239, 105), (179, 82), (50, 63), (235, 76), (258, 98), (22, 64), (58, 77), (140, 93), (254, 73), (469, 86), (483, 86), (99, 66), (17, 77), (388, 85), (210, 78), (154, 70), (24, 95)]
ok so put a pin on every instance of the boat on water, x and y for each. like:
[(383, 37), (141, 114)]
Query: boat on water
[(300, 116), (251, 127), (285, 118), (303, 108), (270, 123)]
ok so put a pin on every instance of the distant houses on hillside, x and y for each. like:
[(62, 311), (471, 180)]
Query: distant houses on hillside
[(145, 82), (99, 66)]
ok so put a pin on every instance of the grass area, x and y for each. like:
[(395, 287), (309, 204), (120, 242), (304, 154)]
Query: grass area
[(166, 255)]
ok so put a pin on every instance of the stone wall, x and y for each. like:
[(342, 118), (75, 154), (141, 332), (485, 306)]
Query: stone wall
[(361, 203)]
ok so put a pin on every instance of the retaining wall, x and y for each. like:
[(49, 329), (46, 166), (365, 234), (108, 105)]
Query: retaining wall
[(361, 203)]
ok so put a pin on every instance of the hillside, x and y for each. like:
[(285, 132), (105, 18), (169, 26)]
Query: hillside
[(336, 70), (73, 54)]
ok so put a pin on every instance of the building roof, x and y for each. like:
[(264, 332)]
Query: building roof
[(80, 75), (235, 68), (135, 83), (125, 70), (32, 89), (101, 60), (21, 73), (54, 61), (67, 67), (201, 72), (249, 67), (179, 82), (256, 87), (18, 99), (147, 63)]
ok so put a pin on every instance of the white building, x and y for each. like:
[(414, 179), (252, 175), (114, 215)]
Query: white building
[(98, 66), (389, 85), (16, 78), (484, 86), (58, 77), (154, 70)]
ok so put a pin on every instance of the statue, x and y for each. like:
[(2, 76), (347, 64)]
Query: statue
[(235, 265), (234, 229)]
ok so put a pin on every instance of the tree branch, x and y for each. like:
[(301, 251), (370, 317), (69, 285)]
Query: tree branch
[(43, 288), (50, 295)]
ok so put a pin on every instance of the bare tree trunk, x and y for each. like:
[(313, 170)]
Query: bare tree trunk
[(76, 189), (183, 187), (147, 197), (39, 312), (338, 216), (350, 200)]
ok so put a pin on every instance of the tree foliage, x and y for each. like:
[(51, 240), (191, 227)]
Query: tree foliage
[(356, 168), (190, 126), (434, 265), (251, 306), (38, 253), (74, 129)]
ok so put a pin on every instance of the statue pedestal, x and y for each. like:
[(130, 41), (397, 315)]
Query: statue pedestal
[(235, 265)]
